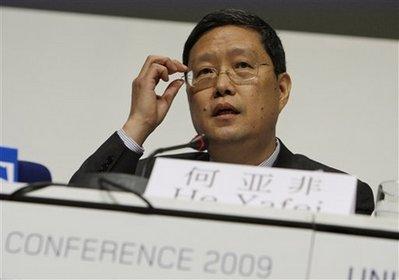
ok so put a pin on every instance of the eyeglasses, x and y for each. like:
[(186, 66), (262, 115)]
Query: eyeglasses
[(240, 74)]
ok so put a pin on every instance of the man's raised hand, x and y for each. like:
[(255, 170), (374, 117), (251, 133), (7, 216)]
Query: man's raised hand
[(147, 109)]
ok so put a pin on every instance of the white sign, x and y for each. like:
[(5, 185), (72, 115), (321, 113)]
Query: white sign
[(342, 256), (253, 186), (58, 242)]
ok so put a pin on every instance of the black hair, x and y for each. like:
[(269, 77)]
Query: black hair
[(271, 42)]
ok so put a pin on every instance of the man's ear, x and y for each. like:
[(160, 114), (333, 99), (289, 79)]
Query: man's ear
[(284, 88)]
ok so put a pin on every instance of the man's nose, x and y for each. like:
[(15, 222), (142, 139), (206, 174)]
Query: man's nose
[(224, 85)]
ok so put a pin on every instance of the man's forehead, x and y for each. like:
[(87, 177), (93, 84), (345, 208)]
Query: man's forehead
[(227, 40)]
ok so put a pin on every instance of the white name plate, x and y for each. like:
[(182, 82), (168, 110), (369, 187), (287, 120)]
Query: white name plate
[(253, 186)]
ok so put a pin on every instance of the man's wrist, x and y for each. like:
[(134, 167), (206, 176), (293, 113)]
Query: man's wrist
[(130, 143), (136, 131)]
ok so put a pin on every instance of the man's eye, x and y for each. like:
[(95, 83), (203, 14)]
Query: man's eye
[(204, 72), (242, 65)]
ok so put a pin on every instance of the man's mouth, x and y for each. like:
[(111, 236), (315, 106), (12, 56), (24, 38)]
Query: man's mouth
[(224, 109)]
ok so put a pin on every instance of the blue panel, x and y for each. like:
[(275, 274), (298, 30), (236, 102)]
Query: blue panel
[(3, 173), (9, 155)]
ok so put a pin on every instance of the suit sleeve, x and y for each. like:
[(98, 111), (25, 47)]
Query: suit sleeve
[(112, 156)]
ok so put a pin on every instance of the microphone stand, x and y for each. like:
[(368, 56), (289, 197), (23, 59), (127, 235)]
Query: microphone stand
[(198, 143)]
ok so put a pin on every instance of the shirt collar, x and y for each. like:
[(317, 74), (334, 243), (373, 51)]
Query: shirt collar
[(270, 160)]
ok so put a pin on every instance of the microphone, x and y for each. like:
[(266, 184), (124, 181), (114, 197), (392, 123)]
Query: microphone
[(199, 143)]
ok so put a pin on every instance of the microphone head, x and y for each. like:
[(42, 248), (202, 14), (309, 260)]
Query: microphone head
[(199, 143)]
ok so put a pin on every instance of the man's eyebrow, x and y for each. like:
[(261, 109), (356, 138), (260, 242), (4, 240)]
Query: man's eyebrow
[(204, 57), (207, 56), (238, 51)]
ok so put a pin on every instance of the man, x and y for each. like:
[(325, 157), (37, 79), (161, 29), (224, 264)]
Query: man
[(237, 85)]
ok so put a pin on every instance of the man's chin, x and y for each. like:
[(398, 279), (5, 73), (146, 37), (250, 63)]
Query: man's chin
[(225, 135)]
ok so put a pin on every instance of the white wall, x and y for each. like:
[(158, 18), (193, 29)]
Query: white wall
[(66, 87)]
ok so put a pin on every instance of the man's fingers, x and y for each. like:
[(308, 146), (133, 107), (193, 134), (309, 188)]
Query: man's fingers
[(157, 72), (173, 66), (180, 66), (149, 61), (171, 91)]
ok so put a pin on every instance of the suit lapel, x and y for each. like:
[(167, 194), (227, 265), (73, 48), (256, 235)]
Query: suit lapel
[(285, 157)]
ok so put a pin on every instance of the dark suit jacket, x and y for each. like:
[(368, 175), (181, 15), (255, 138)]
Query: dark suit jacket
[(114, 156)]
